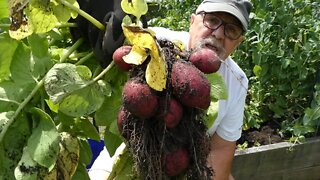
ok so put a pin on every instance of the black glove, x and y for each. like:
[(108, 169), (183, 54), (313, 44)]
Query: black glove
[(104, 43)]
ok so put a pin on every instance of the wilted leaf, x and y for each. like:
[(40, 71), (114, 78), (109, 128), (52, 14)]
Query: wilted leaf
[(136, 56), (156, 74), (156, 71), (20, 26), (40, 14)]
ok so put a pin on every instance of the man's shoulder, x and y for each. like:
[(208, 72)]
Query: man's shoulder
[(235, 78), (164, 33)]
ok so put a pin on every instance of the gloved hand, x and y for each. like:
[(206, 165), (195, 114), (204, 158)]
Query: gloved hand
[(104, 43)]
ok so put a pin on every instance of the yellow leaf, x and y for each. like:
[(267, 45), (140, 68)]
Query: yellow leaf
[(24, 31), (138, 36), (179, 44), (156, 74), (136, 56)]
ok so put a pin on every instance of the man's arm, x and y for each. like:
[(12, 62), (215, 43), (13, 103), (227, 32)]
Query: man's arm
[(221, 156)]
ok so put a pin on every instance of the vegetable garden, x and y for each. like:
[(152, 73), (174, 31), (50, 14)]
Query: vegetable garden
[(54, 94)]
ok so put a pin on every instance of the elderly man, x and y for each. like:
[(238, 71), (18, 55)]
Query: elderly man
[(219, 25)]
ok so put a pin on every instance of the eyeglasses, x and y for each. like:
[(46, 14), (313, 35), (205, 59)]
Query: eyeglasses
[(213, 22)]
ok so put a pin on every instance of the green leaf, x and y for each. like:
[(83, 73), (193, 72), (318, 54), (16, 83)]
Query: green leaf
[(41, 61), (108, 112), (85, 152), (53, 107), (21, 71), (218, 87), (81, 173), (76, 96), (8, 101), (123, 167), (134, 7), (257, 70), (212, 113), (116, 77), (4, 9), (7, 48), (13, 143), (63, 13), (85, 127), (61, 80), (112, 142), (84, 72), (83, 101), (43, 144), (26, 167)]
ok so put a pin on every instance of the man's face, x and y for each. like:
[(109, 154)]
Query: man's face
[(202, 36)]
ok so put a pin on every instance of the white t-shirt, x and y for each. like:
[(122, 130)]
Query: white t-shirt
[(228, 124)]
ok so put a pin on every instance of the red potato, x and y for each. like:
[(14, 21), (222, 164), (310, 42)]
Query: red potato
[(123, 116), (118, 57), (176, 162), (190, 85), (139, 99), (206, 60), (170, 112)]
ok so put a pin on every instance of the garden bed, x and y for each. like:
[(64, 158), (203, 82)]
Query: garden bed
[(282, 160)]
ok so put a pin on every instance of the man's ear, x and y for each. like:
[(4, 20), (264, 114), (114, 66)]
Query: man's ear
[(193, 16), (240, 40)]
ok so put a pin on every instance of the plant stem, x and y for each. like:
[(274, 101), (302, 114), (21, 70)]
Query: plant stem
[(84, 59), (103, 72), (83, 14), (64, 25), (71, 50)]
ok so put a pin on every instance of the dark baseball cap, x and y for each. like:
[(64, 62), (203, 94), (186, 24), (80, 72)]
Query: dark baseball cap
[(238, 8)]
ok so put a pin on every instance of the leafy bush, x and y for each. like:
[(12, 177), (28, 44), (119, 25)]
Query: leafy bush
[(281, 58)]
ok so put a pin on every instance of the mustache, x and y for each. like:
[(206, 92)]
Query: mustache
[(211, 41)]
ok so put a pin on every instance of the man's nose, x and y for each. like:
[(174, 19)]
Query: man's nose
[(219, 32)]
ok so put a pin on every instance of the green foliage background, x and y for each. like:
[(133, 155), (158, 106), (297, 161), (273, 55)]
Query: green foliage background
[(280, 57)]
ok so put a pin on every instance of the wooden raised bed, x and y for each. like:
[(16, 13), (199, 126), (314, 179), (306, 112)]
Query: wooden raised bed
[(281, 161)]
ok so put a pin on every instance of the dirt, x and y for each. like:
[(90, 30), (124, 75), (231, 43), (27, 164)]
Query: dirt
[(267, 134)]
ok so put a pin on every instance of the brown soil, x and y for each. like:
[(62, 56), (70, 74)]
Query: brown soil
[(267, 134)]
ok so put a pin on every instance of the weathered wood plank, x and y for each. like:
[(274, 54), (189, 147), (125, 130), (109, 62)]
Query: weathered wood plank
[(276, 161)]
